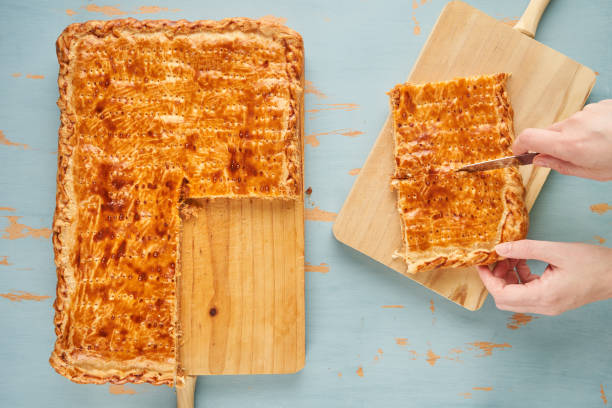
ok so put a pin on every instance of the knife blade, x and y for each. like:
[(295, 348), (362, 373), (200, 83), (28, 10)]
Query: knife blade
[(518, 160)]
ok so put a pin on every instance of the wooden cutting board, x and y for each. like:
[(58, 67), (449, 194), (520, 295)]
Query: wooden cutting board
[(545, 87), (242, 287)]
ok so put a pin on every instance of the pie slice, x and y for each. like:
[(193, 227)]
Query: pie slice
[(153, 113), (452, 219)]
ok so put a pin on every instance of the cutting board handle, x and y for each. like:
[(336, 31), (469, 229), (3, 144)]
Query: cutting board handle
[(528, 24), (185, 396)]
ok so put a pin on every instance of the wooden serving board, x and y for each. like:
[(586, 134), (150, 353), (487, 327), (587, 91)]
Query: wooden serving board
[(545, 87), (242, 287)]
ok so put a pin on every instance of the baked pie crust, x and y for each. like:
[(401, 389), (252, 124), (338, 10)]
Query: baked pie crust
[(153, 113), (449, 218)]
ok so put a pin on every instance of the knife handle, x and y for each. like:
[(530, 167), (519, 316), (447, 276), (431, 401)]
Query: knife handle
[(526, 158), (528, 24)]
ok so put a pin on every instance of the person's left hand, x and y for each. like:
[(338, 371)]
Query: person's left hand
[(577, 274)]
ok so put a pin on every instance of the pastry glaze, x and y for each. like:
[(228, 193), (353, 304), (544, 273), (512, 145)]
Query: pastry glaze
[(454, 219), (152, 113)]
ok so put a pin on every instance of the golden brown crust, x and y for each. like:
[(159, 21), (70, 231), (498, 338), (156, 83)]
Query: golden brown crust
[(100, 258), (454, 219)]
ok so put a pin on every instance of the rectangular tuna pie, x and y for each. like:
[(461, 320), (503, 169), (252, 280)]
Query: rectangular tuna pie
[(449, 218), (153, 113)]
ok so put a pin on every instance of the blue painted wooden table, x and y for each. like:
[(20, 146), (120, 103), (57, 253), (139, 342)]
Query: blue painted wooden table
[(424, 350)]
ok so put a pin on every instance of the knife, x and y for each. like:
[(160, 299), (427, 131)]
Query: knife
[(519, 160)]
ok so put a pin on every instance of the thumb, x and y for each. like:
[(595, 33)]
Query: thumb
[(551, 252), (562, 166)]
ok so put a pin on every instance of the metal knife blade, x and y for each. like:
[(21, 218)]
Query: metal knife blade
[(519, 160)]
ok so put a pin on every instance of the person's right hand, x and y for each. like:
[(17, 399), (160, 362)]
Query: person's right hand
[(581, 145)]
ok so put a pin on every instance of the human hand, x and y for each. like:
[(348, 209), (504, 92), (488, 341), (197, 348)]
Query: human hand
[(581, 145), (577, 274)]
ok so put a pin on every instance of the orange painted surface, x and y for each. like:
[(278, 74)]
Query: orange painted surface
[(352, 133), (401, 341), (599, 239), (274, 19), (106, 10), (116, 11), (16, 74), (70, 12), (466, 395), (4, 261), (413, 354), (31, 76), (316, 214), (19, 295), (311, 89), (417, 26), (7, 209), (150, 9), (488, 347), (519, 319), (332, 106), (415, 3), (354, 172), (455, 352), (603, 395), (15, 230), (321, 268), (6, 142), (392, 306), (432, 357), (339, 375), (313, 140), (482, 388), (120, 389), (360, 371), (432, 307), (601, 208)]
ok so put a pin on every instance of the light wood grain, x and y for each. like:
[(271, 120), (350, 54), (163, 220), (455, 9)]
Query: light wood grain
[(185, 395), (528, 24), (545, 87), (242, 287)]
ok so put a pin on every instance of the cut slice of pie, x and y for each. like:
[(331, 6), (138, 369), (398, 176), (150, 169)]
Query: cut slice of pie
[(452, 219), (152, 113)]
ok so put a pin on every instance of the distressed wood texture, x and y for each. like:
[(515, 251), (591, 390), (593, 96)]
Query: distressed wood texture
[(242, 287), (545, 87)]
